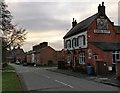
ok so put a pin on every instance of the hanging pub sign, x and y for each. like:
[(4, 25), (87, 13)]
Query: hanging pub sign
[(89, 53), (102, 26)]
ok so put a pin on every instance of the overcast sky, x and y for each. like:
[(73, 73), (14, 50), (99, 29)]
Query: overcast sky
[(49, 20)]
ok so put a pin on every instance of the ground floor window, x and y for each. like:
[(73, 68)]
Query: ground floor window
[(115, 56), (74, 60), (68, 58), (82, 57)]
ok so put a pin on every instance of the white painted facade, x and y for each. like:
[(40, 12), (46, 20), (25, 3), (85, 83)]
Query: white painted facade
[(79, 41)]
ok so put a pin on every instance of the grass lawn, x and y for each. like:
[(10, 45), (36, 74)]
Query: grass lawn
[(10, 81), (7, 68)]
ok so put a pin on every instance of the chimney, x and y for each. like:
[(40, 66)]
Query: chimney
[(112, 23), (74, 23), (101, 9), (43, 44)]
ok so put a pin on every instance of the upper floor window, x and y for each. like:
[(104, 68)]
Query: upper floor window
[(81, 41), (74, 42), (68, 43)]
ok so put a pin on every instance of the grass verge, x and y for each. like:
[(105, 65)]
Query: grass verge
[(10, 81)]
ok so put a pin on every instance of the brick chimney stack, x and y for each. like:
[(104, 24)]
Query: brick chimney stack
[(101, 9), (74, 23), (41, 45)]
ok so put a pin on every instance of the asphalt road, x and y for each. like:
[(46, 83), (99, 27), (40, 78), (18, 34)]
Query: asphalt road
[(40, 79)]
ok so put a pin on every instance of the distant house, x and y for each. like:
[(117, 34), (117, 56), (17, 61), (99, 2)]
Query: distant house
[(42, 54), (16, 54), (29, 56), (95, 41)]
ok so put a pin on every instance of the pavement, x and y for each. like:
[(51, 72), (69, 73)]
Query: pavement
[(109, 79)]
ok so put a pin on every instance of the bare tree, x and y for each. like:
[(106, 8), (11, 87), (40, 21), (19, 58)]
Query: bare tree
[(16, 38), (12, 35)]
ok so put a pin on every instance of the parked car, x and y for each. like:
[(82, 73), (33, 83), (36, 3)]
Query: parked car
[(25, 64), (17, 62)]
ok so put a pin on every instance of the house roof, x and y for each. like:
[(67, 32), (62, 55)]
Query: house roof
[(42, 49), (107, 46), (117, 28), (81, 26), (15, 52)]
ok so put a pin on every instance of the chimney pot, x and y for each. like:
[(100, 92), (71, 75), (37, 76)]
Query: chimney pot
[(102, 3), (101, 9), (74, 23), (73, 19)]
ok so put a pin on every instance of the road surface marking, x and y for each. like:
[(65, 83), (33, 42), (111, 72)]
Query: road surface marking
[(47, 77), (64, 83)]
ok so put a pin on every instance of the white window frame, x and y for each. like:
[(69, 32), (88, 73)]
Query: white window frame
[(74, 42), (115, 53), (68, 44), (85, 45), (80, 41), (82, 57)]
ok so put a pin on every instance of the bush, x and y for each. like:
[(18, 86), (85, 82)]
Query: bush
[(4, 64)]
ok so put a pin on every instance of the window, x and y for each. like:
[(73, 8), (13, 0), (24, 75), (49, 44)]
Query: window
[(82, 57), (115, 56), (68, 59), (81, 41), (95, 56), (74, 42), (68, 43)]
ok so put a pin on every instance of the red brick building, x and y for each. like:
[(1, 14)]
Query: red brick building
[(43, 54), (95, 41), (29, 56), (16, 54)]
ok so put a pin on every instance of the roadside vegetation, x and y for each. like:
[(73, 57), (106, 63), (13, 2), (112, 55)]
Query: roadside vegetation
[(10, 81)]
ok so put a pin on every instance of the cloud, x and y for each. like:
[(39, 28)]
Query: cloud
[(49, 21), (46, 16), (47, 0), (52, 37), (58, 44)]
